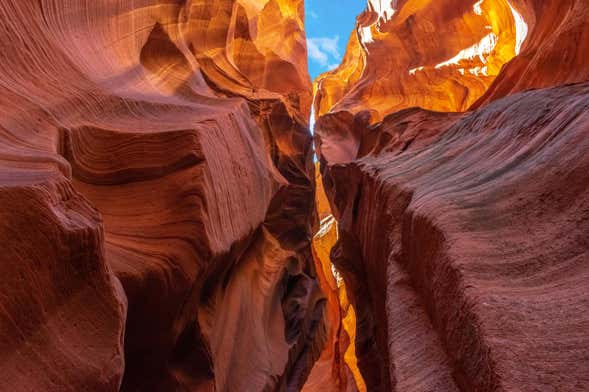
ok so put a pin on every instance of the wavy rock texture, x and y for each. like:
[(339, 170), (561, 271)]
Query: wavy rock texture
[(156, 186), (337, 368), (554, 54), (482, 247), (462, 237), (161, 230), (438, 55)]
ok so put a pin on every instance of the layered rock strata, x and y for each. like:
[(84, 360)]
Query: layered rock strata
[(156, 187), (161, 231)]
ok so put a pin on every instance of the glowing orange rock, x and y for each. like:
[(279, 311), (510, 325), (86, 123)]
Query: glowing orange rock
[(161, 146), (436, 55), (336, 368), (555, 51)]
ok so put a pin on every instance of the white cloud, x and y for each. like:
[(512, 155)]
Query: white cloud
[(315, 52), (323, 49), (313, 14)]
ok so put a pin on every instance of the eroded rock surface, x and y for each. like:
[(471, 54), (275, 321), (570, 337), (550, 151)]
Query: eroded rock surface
[(470, 252), (438, 55), (156, 187), (161, 230)]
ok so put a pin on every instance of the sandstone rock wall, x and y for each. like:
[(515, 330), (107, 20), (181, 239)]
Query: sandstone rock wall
[(468, 250), (161, 231), (438, 55), (156, 187), (462, 236)]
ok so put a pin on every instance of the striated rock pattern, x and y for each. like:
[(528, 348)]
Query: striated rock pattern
[(156, 197), (463, 237), (161, 230), (62, 311), (555, 52), (469, 249)]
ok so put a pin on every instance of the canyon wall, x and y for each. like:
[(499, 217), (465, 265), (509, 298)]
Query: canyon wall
[(461, 196), (161, 230), (156, 197), (438, 55)]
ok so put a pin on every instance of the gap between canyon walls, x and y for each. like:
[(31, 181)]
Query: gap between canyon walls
[(163, 226)]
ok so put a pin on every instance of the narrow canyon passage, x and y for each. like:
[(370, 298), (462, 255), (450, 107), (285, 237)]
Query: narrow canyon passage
[(168, 221)]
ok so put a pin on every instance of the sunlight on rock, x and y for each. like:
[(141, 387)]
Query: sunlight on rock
[(481, 50), (447, 70), (521, 29)]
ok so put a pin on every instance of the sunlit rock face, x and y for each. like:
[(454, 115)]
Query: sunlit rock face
[(438, 55), (156, 197), (555, 53), (337, 369), (462, 236)]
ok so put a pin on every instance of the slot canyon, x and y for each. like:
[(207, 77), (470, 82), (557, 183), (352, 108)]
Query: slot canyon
[(183, 209)]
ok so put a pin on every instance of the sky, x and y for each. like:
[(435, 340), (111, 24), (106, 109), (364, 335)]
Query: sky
[(328, 25)]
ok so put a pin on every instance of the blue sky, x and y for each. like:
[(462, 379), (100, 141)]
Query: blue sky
[(328, 25)]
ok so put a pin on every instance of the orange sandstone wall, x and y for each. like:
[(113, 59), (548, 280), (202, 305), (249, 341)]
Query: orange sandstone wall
[(555, 52), (462, 235), (156, 196), (438, 55)]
